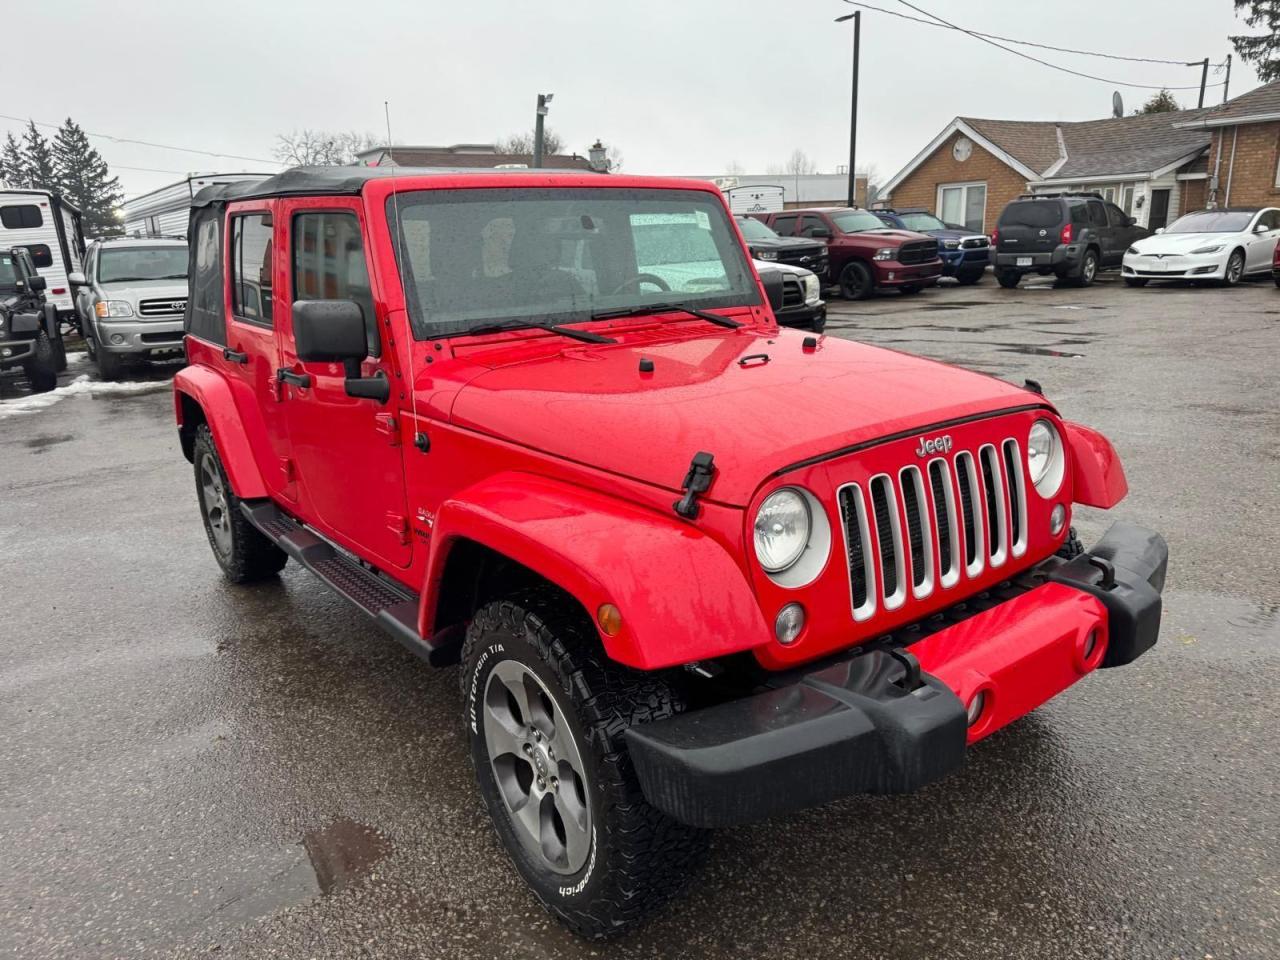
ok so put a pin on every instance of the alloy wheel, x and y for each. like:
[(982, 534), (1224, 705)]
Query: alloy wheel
[(537, 767), (213, 497), (1235, 268)]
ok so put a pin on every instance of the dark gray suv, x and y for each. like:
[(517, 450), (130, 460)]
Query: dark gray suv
[(1069, 235)]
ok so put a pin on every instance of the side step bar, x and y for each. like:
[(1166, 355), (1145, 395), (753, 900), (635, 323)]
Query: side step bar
[(392, 607)]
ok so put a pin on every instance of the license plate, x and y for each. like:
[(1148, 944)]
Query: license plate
[(1024, 261), (1160, 266)]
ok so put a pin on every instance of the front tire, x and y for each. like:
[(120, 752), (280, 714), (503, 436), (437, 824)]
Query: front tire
[(1135, 281), (1235, 269), (543, 703), (243, 553), (42, 369), (1008, 279), (856, 282), (968, 279), (110, 366)]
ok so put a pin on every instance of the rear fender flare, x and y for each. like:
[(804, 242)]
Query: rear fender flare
[(211, 392), (1097, 475), (681, 595)]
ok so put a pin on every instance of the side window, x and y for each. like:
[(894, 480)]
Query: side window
[(1079, 215), (785, 226), (251, 267), (329, 264), (41, 255), (809, 223), (1097, 214), (1270, 219), (1115, 216), (24, 216)]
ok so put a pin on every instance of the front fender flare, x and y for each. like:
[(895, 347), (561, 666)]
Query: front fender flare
[(212, 393), (1097, 475), (681, 595)]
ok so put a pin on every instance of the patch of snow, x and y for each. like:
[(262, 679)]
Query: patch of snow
[(82, 385)]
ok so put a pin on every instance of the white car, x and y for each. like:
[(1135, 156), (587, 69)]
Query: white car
[(1223, 245)]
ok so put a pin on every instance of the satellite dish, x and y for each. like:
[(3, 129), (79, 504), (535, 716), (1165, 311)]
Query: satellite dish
[(1117, 104)]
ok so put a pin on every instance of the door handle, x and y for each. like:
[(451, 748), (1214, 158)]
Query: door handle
[(235, 356), (296, 379)]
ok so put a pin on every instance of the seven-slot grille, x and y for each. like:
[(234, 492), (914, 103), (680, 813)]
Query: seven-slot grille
[(918, 251), (932, 525), (173, 306)]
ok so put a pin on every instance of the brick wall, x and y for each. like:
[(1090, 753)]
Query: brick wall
[(1253, 174), (920, 188), (1195, 193)]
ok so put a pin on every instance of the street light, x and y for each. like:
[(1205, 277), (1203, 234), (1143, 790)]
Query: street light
[(544, 105), (856, 17)]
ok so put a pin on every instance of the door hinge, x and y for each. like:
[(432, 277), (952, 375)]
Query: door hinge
[(386, 424), (398, 524)]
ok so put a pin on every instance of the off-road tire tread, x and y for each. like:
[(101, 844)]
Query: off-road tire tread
[(42, 369), (253, 556), (651, 857)]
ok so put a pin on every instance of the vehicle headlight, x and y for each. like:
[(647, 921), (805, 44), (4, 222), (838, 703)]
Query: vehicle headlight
[(951, 244), (1132, 250), (1045, 458), (782, 529), (767, 255), (113, 308), (812, 288), (1213, 248), (884, 253)]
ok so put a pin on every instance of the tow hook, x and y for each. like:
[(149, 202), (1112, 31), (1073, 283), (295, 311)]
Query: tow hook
[(696, 481), (911, 677)]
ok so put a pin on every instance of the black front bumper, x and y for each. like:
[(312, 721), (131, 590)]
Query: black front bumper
[(864, 724)]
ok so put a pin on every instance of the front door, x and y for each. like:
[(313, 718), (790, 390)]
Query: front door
[(1262, 241), (345, 449), (1159, 215)]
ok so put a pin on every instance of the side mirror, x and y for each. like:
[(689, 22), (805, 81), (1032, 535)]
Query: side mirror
[(76, 279), (1131, 222), (772, 282), (329, 331), (1262, 228), (37, 284), (820, 233)]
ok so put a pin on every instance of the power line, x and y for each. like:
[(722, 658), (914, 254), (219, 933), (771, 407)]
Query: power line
[(144, 143), (992, 38)]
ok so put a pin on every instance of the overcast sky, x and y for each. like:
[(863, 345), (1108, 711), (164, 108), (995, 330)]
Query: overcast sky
[(679, 86)]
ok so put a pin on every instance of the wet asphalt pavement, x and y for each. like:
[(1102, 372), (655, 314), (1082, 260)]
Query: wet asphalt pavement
[(193, 769)]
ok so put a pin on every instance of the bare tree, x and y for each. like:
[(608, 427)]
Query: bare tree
[(775, 169), (799, 164), (308, 148), (733, 169), (521, 144), (613, 156)]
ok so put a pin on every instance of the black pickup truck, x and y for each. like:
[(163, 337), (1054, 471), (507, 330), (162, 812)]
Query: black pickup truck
[(764, 244)]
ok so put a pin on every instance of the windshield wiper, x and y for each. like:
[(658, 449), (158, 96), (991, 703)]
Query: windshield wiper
[(586, 336), (667, 307)]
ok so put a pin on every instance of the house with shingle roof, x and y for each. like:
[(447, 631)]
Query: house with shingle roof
[(1242, 164)]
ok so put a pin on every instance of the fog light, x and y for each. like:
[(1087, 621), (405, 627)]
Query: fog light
[(117, 338), (1057, 519), (976, 706), (789, 623)]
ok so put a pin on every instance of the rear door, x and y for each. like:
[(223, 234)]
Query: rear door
[(1030, 227), (1261, 246), (346, 449), (784, 224), (1117, 236)]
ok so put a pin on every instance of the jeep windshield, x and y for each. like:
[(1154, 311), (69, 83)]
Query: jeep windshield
[(8, 272), (1212, 221), (138, 264), (477, 259)]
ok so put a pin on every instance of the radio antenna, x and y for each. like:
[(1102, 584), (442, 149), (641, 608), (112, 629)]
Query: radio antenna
[(420, 439)]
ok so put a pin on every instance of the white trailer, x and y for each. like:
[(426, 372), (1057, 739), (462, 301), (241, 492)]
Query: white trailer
[(755, 198), (50, 229), (163, 212)]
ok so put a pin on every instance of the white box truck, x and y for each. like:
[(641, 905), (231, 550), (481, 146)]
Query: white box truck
[(49, 228)]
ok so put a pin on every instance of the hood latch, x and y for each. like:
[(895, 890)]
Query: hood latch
[(697, 481)]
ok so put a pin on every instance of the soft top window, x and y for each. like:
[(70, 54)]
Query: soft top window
[(24, 216), (1032, 213), (475, 258)]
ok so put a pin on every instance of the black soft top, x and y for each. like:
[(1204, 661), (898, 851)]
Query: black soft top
[(324, 181)]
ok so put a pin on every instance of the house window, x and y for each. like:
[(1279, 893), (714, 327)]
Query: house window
[(963, 203), (1127, 201)]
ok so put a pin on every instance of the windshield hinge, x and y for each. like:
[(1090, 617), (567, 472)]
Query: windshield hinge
[(696, 481)]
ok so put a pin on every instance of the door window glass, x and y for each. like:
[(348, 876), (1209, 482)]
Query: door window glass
[(251, 267), (785, 226), (1270, 219), (1115, 216), (329, 264), (811, 223), (1097, 214)]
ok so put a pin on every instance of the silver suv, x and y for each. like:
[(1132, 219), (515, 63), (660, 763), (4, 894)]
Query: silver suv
[(130, 301)]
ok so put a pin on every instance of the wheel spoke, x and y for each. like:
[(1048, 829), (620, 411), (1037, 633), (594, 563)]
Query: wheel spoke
[(577, 839), (528, 815)]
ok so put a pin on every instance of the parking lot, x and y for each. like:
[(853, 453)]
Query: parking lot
[(191, 767)]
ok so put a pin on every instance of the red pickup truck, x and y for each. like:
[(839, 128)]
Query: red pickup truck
[(864, 254), (695, 570)]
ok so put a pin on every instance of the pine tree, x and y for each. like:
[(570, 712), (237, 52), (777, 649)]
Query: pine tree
[(13, 166), (1263, 49), (83, 178), (42, 174)]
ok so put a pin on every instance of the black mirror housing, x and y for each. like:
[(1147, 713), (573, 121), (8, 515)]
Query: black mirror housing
[(820, 233), (329, 331), (37, 284), (771, 280)]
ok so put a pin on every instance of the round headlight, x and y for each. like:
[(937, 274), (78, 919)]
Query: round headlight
[(1045, 458), (782, 529)]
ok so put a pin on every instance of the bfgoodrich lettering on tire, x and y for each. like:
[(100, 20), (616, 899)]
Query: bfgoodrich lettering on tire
[(545, 712)]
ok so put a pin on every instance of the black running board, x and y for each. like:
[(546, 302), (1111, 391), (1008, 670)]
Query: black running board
[(392, 607)]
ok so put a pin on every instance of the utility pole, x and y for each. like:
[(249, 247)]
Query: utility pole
[(1204, 78), (1227, 85), (543, 100), (856, 17)]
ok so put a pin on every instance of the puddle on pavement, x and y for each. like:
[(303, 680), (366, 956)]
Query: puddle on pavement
[(1040, 352), (1201, 624), (343, 852), (42, 443)]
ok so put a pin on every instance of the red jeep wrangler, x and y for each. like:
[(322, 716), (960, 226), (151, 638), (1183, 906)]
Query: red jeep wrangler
[(865, 255), (696, 569)]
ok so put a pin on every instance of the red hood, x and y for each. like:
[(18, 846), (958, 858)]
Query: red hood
[(888, 237), (592, 404)]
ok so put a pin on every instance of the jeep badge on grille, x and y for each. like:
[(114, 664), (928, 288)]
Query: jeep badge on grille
[(940, 444)]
